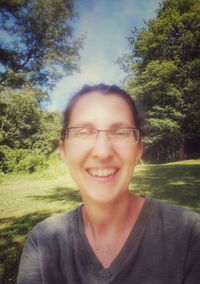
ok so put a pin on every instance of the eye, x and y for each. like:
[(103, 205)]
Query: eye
[(83, 132), (121, 132)]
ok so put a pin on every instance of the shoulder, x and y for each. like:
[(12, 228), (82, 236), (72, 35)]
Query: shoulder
[(56, 225), (175, 217)]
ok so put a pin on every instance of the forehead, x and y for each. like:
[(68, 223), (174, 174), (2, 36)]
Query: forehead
[(99, 108)]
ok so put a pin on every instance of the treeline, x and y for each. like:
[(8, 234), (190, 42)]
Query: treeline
[(163, 74), (36, 49)]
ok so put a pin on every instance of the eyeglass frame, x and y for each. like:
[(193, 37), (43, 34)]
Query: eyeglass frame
[(107, 132)]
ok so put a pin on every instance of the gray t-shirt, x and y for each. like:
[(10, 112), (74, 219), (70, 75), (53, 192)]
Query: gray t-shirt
[(163, 248)]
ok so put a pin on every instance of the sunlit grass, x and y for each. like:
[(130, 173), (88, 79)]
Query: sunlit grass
[(28, 199), (176, 183), (186, 162)]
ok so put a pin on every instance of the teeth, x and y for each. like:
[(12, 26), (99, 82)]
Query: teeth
[(102, 172)]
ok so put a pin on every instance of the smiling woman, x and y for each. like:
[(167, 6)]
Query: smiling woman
[(115, 236), (98, 163)]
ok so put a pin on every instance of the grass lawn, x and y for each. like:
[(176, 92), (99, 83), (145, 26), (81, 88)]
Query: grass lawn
[(26, 200)]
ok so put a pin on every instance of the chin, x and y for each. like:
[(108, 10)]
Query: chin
[(103, 195)]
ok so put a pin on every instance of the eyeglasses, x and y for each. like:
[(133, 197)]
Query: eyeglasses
[(86, 135)]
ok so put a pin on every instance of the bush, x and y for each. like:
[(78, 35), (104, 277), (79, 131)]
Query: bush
[(21, 160), (6, 156), (31, 163)]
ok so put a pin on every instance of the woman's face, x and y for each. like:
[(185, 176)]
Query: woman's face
[(103, 170)]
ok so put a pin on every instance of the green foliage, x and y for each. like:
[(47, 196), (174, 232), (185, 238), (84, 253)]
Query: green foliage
[(30, 162), (20, 118), (21, 160), (6, 159), (25, 125), (163, 70), (46, 139), (36, 45), (36, 49)]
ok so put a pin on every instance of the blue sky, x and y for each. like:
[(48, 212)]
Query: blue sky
[(107, 24)]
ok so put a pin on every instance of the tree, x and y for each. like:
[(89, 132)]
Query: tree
[(36, 44), (36, 49), (163, 71), (20, 118), (47, 137), (28, 134), (25, 125)]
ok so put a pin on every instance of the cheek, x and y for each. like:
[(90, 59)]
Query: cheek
[(130, 155), (74, 156)]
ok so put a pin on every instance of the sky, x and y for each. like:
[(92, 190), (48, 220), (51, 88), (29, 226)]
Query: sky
[(106, 24)]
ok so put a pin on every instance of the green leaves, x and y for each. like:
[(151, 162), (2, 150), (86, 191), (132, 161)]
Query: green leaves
[(37, 45), (163, 71), (36, 49), (28, 134), (24, 124)]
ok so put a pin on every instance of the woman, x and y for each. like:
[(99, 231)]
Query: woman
[(115, 236)]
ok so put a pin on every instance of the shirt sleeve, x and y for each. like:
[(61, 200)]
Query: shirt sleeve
[(29, 268), (192, 262)]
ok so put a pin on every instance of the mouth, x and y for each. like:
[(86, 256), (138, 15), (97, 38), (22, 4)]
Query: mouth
[(102, 173)]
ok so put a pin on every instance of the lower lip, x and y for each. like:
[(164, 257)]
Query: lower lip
[(104, 178)]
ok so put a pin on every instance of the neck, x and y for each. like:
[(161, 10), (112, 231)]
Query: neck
[(107, 226), (113, 216)]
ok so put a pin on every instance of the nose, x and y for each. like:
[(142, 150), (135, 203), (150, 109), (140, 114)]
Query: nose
[(102, 148)]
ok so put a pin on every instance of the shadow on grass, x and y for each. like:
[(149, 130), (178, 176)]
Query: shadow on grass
[(15, 231), (61, 194), (176, 184), (12, 237)]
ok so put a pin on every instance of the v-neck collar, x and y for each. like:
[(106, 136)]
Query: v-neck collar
[(130, 244)]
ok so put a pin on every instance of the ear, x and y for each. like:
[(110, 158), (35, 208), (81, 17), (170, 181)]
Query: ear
[(61, 149), (140, 151)]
